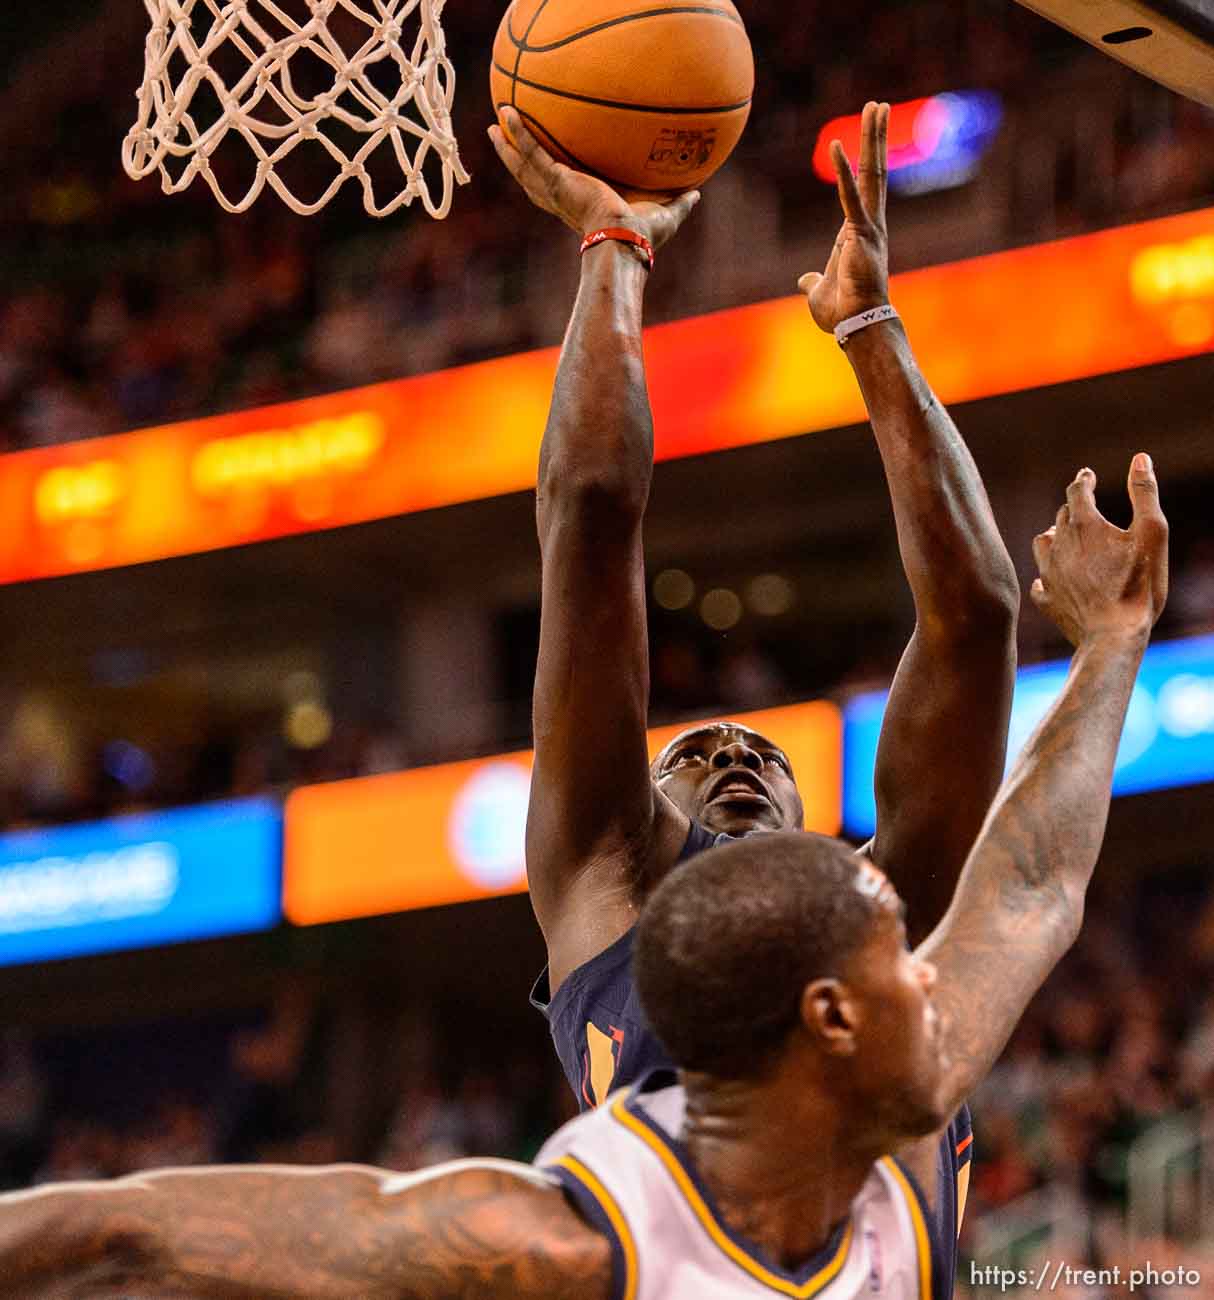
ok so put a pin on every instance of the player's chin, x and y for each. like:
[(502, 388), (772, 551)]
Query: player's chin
[(934, 1111), (926, 1112)]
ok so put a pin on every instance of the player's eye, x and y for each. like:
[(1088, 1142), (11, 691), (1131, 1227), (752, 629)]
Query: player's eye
[(779, 760), (688, 755)]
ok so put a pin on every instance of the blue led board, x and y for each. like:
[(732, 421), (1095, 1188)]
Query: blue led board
[(140, 881), (1168, 739)]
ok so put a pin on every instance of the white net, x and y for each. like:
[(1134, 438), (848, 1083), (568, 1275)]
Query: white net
[(335, 76)]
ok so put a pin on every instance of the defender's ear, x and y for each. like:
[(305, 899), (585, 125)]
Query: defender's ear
[(831, 1015)]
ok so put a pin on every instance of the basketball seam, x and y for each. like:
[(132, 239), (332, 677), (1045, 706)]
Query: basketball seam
[(573, 158), (635, 108), (523, 46), (584, 167), (520, 46)]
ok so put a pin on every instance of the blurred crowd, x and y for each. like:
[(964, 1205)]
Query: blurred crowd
[(102, 1102), (1122, 1035), (62, 768), (127, 308)]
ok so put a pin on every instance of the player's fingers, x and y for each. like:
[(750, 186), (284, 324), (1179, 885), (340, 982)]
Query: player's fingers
[(883, 156), (532, 151), (872, 164), (539, 189), (849, 193), (809, 282), (1149, 525), (836, 252), (1081, 497), (1038, 593), (505, 150), (1062, 518), (680, 207), (1041, 549), (1144, 495)]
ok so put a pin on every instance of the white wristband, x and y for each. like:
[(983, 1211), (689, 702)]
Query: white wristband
[(846, 328)]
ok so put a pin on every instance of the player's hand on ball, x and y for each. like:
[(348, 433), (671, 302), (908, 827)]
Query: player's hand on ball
[(1097, 579), (582, 202), (857, 274)]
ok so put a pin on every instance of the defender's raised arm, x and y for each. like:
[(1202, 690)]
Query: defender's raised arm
[(944, 738), (1019, 903)]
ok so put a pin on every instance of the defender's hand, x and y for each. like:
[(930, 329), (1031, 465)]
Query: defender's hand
[(1096, 578), (857, 275), (583, 203)]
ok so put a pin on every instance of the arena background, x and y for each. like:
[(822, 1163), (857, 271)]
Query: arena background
[(224, 677)]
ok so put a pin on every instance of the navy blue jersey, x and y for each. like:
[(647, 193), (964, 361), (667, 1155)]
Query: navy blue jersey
[(595, 1018)]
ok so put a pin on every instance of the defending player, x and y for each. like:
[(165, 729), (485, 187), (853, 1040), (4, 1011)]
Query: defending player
[(765, 1170), (603, 829)]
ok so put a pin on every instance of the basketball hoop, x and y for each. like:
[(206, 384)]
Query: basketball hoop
[(214, 69)]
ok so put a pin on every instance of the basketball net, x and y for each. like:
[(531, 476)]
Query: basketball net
[(261, 103)]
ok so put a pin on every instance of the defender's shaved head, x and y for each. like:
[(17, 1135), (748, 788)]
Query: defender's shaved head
[(728, 942)]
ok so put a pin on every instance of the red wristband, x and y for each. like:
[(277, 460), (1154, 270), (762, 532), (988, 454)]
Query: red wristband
[(624, 236)]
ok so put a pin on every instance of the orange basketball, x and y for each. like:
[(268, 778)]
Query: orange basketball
[(647, 97)]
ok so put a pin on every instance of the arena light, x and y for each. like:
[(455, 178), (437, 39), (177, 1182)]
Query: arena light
[(140, 881), (1168, 739), (345, 855), (934, 143), (1123, 298)]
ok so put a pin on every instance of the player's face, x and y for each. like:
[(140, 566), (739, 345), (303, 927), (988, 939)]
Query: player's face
[(729, 778), (900, 1063)]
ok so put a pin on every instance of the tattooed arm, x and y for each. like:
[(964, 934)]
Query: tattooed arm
[(477, 1230), (1019, 903)]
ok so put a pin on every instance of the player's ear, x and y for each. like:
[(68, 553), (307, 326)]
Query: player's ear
[(831, 1014)]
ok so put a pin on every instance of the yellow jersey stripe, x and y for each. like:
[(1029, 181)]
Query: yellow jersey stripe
[(963, 1187), (691, 1195), (922, 1241), (609, 1207)]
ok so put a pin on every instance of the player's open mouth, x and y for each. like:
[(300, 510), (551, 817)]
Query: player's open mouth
[(740, 789), (739, 794)]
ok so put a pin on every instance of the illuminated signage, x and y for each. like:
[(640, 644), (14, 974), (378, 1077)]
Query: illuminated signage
[(453, 833), (89, 491), (140, 881), (934, 143), (1100, 303), (1174, 272), (1177, 281), (284, 457), (1168, 738)]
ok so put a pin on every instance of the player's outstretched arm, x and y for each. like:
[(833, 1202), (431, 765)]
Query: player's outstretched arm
[(944, 739), (594, 815), (342, 1233), (1019, 903)]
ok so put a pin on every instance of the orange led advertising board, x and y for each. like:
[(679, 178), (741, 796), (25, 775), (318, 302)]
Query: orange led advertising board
[(454, 833), (1128, 297)]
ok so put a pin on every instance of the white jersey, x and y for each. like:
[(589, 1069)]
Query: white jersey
[(632, 1179)]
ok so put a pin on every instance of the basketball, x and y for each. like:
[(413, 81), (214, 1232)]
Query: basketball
[(646, 98)]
